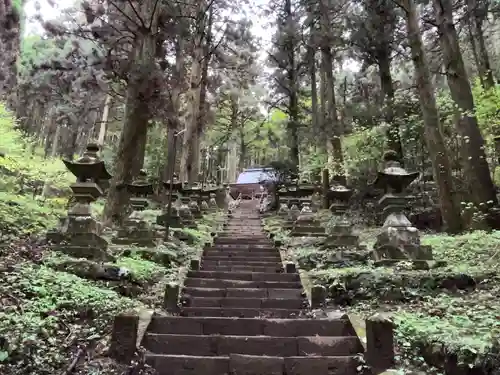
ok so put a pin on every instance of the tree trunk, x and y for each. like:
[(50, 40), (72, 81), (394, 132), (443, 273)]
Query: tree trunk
[(477, 14), (52, 133), (104, 121), (312, 70), (433, 133), (322, 109), (202, 116), (173, 122), (70, 143), (293, 99), (188, 168), (133, 133), (333, 125), (481, 186), (393, 137), (131, 147), (243, 151)]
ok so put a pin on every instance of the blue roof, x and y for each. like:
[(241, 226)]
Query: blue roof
[(255, 175)]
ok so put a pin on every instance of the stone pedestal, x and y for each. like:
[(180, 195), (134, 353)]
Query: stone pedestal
[(293, 215), (283, 210), (307, 226), (135, 230), (393, 203), (175, 220), (212, 202), (195, 210), (186, 217), (400, 241), (82, 238), (56, 235), (342, 235), (204, 207)]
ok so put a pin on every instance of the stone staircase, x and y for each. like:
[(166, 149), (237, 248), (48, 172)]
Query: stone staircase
[(242, 313)]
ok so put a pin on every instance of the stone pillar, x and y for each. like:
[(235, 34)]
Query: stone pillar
[(124, 337), (325, 180), (195, 265), (380, 343), (171, 297), (290, 268), (318, 297)]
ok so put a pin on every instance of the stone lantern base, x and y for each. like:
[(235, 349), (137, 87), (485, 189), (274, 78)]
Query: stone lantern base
[(307, 226), (195, 210), (85, 245), (173, 222), (136, 232), (400, 241)]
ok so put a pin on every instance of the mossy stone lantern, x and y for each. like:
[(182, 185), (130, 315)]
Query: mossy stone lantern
[(82, 235)]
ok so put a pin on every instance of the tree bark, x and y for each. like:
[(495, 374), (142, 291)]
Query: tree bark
[(293, 99), (132, 145), (477, 14), (393, 137), (104, 121), (432, 125), (333, 125), (481, 186), (190, 142)]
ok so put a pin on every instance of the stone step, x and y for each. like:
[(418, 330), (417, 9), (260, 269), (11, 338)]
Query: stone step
[(242, 240), (245, 276), (243, 268), (241, 258), (247, 303), (220, 345), (243, 292), (240, 312), (237, 236), (237, 364), (241, 248), (218, 253), (221, 283), (231, 262), (255, 327), (244, 247)]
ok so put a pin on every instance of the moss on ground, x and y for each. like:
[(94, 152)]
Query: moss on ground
[(447, 312)]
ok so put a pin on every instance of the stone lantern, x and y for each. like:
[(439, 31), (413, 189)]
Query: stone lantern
[(171, 218), (341, 234), (399, 240), (193, 193), (306, 224), (339, 196), (82, 237), (185, 212), (135, 230)]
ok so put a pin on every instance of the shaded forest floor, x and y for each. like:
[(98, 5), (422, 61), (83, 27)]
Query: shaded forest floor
[(56, 308), (444, 314)]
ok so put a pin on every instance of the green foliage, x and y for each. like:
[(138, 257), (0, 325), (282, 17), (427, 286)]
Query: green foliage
[(24, 215), (142, 269), (477, 248), (25, 168), (487, 109), (43, 307), (467, 327), (363, 152)]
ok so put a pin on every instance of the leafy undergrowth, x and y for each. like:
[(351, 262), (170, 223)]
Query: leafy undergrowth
[(22, 164), (54, 306), (24, 171), (23, 215), (448, 314)]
